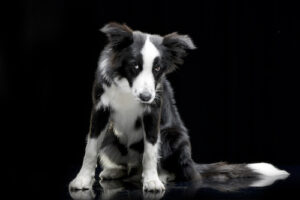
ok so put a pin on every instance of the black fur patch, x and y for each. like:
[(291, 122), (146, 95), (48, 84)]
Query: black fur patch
[(138, 146), (158, 64), (176, 154), (99, 121), (151, 124), (128, 69), (138, 123), (120, 36), (126, 60), (176, 47), (97, 92)]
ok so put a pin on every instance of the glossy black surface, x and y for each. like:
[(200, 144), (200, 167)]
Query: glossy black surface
[(263, 188), (276, 187), (238, 93)]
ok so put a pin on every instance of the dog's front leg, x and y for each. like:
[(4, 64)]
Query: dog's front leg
[(151, 122), (84, 178)]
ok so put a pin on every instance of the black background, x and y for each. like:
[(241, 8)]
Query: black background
[(237, 93)]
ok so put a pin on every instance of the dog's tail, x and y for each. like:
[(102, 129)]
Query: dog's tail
[(222, 171)]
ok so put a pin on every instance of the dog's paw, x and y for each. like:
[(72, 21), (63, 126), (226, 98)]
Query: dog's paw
[(81, 182), (154, 185)]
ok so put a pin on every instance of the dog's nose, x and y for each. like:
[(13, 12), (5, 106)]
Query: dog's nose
[(145, 96)]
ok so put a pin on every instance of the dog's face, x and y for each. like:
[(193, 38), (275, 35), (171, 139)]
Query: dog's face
[(143, 59)]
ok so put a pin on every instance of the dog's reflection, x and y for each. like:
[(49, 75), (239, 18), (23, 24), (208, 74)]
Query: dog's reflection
[(123, 189), (110, 189), (82, 194)]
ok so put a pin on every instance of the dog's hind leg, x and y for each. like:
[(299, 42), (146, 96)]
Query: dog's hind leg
[(176, 154), (113, 156), (111, 170), (112, 173)]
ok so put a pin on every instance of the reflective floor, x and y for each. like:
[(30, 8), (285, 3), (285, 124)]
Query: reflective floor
[(262, 188)]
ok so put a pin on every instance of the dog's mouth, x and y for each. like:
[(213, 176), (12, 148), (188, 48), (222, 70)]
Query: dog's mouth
[(144, 102)]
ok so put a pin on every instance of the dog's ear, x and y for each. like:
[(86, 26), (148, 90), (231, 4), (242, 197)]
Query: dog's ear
[(119, 35), (176, 47)]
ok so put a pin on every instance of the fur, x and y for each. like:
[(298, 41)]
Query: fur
[(134, 120)]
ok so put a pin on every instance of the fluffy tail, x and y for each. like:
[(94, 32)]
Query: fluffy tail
[(222, 171)]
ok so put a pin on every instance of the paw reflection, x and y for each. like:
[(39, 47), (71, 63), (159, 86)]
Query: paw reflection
[(122, 189), (111, 188), (153, 195), (82, 194)]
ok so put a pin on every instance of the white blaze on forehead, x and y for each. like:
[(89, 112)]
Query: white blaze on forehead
[(149, 53), (145, 82)]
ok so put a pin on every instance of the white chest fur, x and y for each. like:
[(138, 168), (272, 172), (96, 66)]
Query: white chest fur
[(125, 111)]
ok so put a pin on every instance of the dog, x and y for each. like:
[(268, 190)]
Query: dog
[(135, 126)]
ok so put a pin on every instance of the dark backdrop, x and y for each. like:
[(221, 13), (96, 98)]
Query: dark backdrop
[(237, 93)]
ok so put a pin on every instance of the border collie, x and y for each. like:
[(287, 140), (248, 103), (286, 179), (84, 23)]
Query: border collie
[(135, 126)]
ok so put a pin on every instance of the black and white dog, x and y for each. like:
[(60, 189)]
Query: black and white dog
[(135, 125)]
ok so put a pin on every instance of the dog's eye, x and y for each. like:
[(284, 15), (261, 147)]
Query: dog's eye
[(136, 67), (157, 68)]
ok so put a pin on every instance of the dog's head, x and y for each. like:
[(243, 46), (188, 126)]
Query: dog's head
[(141, 59)]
